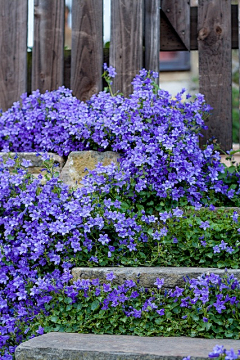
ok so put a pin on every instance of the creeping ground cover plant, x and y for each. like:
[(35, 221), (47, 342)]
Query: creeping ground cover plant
[(158, 207), (219, 352)]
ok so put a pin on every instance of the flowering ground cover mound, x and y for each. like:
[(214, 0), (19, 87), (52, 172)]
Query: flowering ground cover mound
[(206, 307), (142, 212), (156, 135)]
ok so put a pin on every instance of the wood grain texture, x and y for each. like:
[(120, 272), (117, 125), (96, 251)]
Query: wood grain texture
[(47, 60), (126, 49), (13, 47), (169, 41), (152, 34), (215, 68), (178, 14), (87, 48)]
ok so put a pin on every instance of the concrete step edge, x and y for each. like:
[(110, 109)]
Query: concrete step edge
[(146, 276)]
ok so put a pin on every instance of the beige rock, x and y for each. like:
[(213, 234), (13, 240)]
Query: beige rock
[(78, 161), (37, 162)]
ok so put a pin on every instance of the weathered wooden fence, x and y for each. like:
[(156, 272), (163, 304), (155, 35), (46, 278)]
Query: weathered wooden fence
[(139, 29)]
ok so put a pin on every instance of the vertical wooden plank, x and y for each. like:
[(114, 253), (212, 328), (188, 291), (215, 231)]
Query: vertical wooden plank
[(126, 46), (13, 47), (215, 68), (152, 34), (87, 47), (47, 60), (178, 13)]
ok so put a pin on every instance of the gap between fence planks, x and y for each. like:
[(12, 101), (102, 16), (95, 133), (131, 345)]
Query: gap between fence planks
[(13, 45), (47, 60)]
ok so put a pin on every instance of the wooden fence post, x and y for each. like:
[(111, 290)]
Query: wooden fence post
[(152, 35), (215, 67), (13, 45), (87, 48), (126, 46), (47, 60)]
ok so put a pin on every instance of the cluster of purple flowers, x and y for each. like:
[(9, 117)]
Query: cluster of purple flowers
[(220, 352), (156, 135)]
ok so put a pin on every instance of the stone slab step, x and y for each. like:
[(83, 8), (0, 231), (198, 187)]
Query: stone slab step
[(67, 346), (173, 276)]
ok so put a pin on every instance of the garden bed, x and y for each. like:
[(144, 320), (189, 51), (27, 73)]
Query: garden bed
[(159, 206)]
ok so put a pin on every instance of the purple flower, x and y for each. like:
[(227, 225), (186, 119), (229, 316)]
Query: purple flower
[(211, 207), (235, 216), (217, 351), (230, 355), (204, 225), (106, 287), (219, 305), (26, 163), (161, 312), (110, 276), (164, 216), (223, 245), (111, 70), (159, 283), (177, 212), (216, 249), (229, 249)]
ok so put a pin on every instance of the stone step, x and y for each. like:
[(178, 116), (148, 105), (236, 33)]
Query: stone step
[(67, 346), (146, 276)]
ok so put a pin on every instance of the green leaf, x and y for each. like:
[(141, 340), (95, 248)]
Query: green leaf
[(124, 205), (54, 319), (94, 305), (150, 231)]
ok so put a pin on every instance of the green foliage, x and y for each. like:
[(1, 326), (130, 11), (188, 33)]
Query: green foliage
[(85, 314)]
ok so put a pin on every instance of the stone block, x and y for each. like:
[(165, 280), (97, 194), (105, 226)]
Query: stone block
[(78, 161), (146, 276), (68, 346), (37, 162)]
